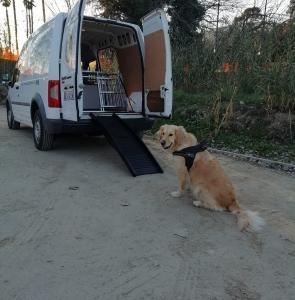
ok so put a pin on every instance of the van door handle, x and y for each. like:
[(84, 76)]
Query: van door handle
[(66, 77), (80, 95)]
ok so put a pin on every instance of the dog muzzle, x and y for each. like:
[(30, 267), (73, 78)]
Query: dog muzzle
[(168, 147)]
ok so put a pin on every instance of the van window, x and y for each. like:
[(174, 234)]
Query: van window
[(70, 50), (34, 60), (15, 74), (21, 61)]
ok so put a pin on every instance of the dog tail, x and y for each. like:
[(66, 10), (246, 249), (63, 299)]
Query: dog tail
[(247, 220)]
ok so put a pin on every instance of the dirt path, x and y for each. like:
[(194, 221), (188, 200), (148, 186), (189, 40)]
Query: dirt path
[(118, 237)]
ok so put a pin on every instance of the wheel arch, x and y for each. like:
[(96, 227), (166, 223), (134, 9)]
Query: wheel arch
[(8, 101), (12, 123), (38, 104)]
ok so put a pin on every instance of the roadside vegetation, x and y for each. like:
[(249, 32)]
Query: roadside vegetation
[(235, 85), (245, 132)]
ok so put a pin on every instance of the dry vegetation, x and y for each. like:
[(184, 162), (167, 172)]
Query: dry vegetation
[(239, 89)]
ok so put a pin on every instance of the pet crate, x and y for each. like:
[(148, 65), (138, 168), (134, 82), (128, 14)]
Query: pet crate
[(104, 92)]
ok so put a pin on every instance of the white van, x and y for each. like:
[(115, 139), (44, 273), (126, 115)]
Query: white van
[(78, 67)]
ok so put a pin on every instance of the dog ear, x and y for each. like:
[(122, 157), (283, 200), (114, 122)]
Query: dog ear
[(159, 132), (180, 133)]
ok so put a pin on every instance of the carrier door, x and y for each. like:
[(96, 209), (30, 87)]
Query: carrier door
[(70, 71), (158, 69)]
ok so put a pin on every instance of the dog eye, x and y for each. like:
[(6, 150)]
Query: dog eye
[(171, 134)]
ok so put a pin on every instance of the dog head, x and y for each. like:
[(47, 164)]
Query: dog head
[(171, 136)]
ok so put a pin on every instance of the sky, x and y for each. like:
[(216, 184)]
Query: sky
[(55, 6), (52, 7)]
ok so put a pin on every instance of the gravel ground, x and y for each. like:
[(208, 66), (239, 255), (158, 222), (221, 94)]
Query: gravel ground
[(262, 162), (75, 225)]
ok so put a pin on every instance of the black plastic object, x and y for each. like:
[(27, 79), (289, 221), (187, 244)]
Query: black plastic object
[(131, 148), (189, 153)]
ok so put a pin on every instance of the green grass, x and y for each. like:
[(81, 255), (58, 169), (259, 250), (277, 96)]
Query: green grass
[(247, 144), (194, 112)]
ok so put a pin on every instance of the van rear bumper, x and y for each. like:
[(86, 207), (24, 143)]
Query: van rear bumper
[(89, 127)]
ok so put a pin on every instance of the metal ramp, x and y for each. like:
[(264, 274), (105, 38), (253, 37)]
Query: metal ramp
[(130, 147)]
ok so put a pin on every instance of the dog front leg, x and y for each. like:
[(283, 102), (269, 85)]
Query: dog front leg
[(182, 179)]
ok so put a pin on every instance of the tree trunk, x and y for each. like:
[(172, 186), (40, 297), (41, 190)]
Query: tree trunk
[(217, 25), (27, 22), (43, 9), (8, 29), (32, 21), (15, 27), (264, 15)]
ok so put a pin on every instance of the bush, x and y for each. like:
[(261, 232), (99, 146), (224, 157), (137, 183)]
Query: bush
[(250, 59)]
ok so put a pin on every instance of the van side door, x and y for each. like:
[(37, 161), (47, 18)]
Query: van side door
[(20, 76), (13, 93), (158, 65), (70, 65)]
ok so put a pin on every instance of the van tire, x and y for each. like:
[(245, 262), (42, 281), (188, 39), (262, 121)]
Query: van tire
[(42, 139), (12, 124)]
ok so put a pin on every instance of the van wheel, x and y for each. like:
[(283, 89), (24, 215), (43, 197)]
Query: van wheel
[(42, 139), (12, 124)]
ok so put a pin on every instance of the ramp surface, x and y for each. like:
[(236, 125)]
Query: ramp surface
[(131, 148)]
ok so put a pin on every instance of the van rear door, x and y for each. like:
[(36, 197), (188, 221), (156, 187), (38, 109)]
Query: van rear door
[(158, 66), (70, 68)]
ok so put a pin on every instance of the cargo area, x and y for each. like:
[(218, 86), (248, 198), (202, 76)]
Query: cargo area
[(112, 67)]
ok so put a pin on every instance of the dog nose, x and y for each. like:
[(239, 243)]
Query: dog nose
[(163, 143)]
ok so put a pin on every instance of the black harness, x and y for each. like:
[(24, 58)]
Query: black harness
[(189, 153)]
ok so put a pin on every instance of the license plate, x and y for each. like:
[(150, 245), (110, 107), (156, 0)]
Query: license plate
[(69, 95)]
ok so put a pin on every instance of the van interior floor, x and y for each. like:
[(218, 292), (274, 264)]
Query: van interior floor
[(130, 147)]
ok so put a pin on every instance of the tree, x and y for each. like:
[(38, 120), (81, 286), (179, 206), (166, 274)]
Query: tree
[(70, 4), (15, 26), (29, 4), (215, 15), (292, 8), (186, 17), (128, 10), (252, 17), (43, 10), (6, 4), (4, 45)]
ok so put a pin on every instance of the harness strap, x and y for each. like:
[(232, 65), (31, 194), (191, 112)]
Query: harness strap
[(190, 153)]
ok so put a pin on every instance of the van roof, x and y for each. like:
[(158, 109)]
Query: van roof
[(112, 20), (58, 16)]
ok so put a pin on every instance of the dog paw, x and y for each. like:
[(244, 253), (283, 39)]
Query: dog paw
[(197, 203), (176, 194)]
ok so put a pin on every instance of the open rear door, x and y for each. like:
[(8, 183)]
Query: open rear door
[(158, 65), (70, 71)]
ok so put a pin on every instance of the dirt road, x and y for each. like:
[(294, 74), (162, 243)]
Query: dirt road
[(75, 225)]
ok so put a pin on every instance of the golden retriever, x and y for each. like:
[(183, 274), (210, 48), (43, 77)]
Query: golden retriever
[(208, 182)]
